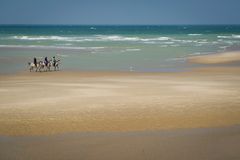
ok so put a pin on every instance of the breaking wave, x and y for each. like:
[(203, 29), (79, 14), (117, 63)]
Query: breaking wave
[(89, 38), (194, 34), (51, 47), (229, 37)]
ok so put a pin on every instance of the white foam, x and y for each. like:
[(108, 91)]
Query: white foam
[(53, 38), (194, 34), (182, 41), (151, 42), (116, 38), (202, 42), (90, 38), (224, 37), (133, 50), (234, 36), (186, 41), (65, 44), (50, 47), (162, 38), (58, 38)]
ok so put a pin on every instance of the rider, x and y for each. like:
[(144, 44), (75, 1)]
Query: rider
[(46, 61), (54, 61), (35, 61)]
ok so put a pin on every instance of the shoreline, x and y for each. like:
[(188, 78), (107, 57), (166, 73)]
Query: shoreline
[(77, 101), (193, 62), (216, 58), (62, 115)]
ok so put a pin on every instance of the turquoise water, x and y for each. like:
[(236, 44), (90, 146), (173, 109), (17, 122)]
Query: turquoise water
[(113, 48)]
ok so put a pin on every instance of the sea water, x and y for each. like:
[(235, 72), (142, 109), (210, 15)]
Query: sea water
[(113, 48)]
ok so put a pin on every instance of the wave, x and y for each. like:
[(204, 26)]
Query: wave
[(116, 38), (162, 40), (133, 50), (236, 36), (52, 38), (67, 42), (123, 38), (224, 36), (229, 37), (40, 38), (202, 42), (50, 47), (194, 34), (89, 38)]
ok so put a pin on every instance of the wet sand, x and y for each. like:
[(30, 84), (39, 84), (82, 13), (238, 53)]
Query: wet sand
[(185, 144), (124, 115)]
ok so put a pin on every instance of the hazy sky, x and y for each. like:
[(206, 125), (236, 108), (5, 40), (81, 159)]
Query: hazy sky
[(119, 11)]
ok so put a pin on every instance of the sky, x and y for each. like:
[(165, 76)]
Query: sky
[(120, 12)]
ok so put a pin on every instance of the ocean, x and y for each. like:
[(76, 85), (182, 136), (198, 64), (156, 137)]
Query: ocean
[(113, 48)]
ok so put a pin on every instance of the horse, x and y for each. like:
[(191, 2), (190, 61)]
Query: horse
[(44, 67), (41, 66), (32, 66), (48, 65), (56, 65)]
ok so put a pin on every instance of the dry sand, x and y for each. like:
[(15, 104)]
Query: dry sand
[(58, 102), (217, 58)]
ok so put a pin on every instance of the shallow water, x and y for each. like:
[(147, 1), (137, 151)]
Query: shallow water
[(113, 48)]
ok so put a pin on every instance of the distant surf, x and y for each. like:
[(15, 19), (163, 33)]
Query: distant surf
[(116, 48)]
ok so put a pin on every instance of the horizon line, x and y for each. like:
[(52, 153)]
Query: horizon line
[(12, 24)]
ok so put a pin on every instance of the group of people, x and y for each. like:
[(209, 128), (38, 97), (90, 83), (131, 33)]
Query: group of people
[(44, 65), (46, 61)]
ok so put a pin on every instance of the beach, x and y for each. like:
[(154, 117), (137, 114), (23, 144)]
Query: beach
[(218, 58), (156, 113), (121, 92), (58, 102)]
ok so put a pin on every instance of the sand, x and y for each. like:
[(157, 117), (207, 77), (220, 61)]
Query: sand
[(226, 57), (59, 102), (123, 115), (184, 144)]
